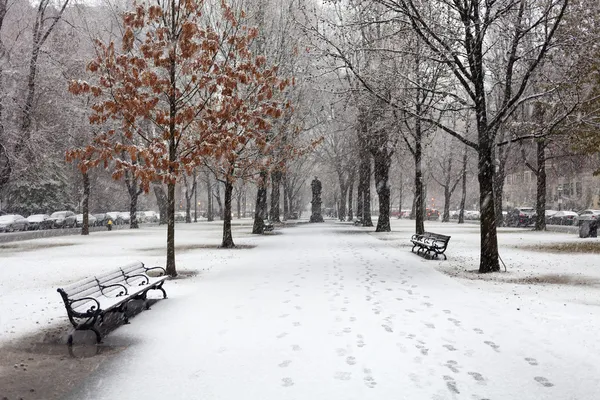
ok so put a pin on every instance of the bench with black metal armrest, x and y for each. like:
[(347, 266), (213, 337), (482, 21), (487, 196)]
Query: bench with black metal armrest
[(430, 244), (268, 226), (89, 300)]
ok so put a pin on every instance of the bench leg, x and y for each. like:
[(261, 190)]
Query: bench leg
[(160, 287), (93, 329), (123, 310)]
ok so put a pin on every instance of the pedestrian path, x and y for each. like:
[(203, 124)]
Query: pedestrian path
[(327, 311)]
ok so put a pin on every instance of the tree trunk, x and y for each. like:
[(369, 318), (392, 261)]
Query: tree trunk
[(360, 195), (286, 204), (540, 219), (275, 192), (419, 195), (342, 202), (366, 188), (261, 203), (132, 188), (133, 200), (350, 193), (463, 197), (163, 203), (447, 197), (227, 235), (383, 161), (489, 240), (400, 195), (85, 228), (171, 270), (209, 204), (188, 205), (238, 203)]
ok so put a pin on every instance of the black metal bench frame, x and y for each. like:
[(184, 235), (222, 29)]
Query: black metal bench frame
[(430, 244), (126, 286), (268, 226)]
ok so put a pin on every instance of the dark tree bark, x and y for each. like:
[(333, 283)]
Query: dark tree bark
[(365, 188), (449, 187), (463, 197), (170, 267), (489, 261), (171, 270), (360, 195), (419, 195), (342, 201), (189, 194), (275, 196), (163, 203), (261, 205), (227, 235), (382, 163), (134, 192), (209, 201), (85, 227), (350, 194), (540, 220), (286, 205)]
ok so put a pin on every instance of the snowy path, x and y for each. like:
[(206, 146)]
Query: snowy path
[(329, 312)]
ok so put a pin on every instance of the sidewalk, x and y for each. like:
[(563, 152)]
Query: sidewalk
[(326, 311)]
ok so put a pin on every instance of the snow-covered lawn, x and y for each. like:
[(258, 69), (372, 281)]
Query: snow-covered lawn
[(327, 311)]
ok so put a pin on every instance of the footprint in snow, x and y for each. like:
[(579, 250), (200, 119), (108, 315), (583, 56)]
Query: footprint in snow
[(477, 376), (531, 361), (285, 363), (543, 381), (287, 382), (450, 347), (492, 345), (451, 384)]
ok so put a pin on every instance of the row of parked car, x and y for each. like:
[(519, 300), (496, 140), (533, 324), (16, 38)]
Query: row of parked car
[(68, 219), (525, 216)]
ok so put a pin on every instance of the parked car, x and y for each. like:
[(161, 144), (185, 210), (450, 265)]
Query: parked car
[(91, 220), (521, 216), (564, 218), (12, 223), (63, 219), (116, 217), (125, 216), (39, 221), (148, 216), (549, 215), (101, 219), (472, 214), (179, 216), (432, 214), (587, 215)]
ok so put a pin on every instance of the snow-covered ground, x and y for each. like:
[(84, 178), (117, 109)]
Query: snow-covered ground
[(328, 311)]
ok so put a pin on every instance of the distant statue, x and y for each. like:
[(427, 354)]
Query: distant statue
[(316, 201)]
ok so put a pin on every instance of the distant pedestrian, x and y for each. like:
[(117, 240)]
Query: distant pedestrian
[(109, 224)]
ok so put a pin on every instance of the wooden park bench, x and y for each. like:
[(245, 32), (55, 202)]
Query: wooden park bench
[(430, 243), (268, 226), (89, 300)]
